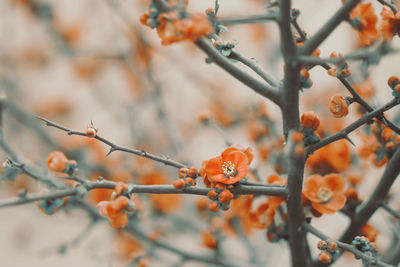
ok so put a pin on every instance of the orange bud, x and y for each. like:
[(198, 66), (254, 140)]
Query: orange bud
[(338, 106), (310, 120), (193, 172), (57, 161), (190, 181), (226, 196), (213, 206), (183, 172), (324, 257), (212, 194), (179, 184)]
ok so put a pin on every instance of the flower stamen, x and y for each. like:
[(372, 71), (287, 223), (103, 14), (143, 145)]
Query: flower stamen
[(229, 169), (325, 194)]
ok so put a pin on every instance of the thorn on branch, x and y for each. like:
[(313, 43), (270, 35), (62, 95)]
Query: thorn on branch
[(351, 141), (110, 151)]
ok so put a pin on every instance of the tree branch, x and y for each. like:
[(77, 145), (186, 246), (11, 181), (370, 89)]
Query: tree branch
[(344, 132), (311, 44), (367, 209)]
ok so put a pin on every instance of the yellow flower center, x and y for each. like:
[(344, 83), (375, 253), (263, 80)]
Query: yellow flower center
[(324, 194), (228, 168)]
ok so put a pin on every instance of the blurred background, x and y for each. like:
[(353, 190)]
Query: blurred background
[(77, 61)]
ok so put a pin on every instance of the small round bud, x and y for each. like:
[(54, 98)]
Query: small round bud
[(183, 172), (393, 81), (193, 172), (179, 184), (324, 257), (212, 194), (190, 181), (213, 206), (321, 245), (225, 197), (332, 246), (210, 11)]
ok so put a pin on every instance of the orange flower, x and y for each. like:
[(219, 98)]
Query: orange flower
[(338, 106), (230, 167), (57, 161), (171, 29), (114, 210), (334, 157), (310, 120), (363, 15), (326, 193), (390, 23)]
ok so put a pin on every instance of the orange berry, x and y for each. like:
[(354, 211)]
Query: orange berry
[(193, 172), (321, 245), (179, 184), (393, 81), (387, 134), (324, 257), (183, 172), (310, 120), (90, 132), (338, 106), (190, 181), (210, 10), (213, 206), (212, 194), (225, 196), (57, 161), (332, 246)]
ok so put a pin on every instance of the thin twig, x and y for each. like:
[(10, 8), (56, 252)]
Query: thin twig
[(250, 19), (371, 260), (344, 132), (114, 147)]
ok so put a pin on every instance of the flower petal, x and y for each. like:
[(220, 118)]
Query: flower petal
[(213, 166), (311, 188), (334, 182), (337, 202)]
